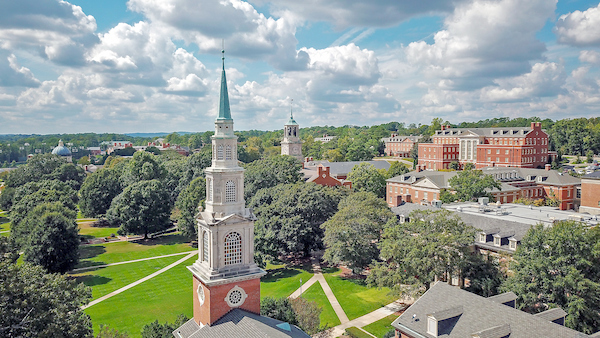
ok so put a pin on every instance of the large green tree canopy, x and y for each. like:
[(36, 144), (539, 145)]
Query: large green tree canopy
[(270, 172), (558, 266), (290, 217), (365, 177), (98, 191), (142, 208), (468, 185)]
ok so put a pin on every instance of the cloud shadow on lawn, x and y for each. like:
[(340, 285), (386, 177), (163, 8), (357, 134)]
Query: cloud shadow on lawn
[(163, 240), (276, 274)]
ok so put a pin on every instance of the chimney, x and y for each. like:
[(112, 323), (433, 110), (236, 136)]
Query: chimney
[(448, 126), (548, 167), (443, 127), (532, 125), (419, 169)]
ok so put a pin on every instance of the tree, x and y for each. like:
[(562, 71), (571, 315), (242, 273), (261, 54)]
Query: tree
[(53, 243), (21, 231), (38, 168), (129, 151), (484, 275), (157, 330), (558, 266), (278, 308), (187, 203), (143, 167), (365, 177), (397, 168), (105, 331), (153, 150), (35, 303), (33, 194), (84, 160), (307, 314), (454, 165), (142, 208), (6, 198), (290, 217), (589, 156), (469, 185), (352, 234), (98, 191), (431, 245), (270, 172)]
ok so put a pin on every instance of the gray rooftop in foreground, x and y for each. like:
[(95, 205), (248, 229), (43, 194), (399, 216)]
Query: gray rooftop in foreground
[(239, 323), (479, 315)]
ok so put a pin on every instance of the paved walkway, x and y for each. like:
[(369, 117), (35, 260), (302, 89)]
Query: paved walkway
[(132, 261), (139, 281), (318, 277), (368, 318), (5, 231)]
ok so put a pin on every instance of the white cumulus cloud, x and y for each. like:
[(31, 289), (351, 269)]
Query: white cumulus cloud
[(580, 28)]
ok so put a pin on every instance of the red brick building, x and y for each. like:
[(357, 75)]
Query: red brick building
[(399, 146), (590, 193), (520, 147), (425, 186), (323, 177)]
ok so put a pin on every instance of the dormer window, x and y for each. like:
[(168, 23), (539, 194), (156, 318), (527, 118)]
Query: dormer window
[(497, 240), (482, 238), (512, 244)]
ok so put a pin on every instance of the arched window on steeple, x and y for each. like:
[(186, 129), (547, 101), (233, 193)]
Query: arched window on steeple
[(230, 191), (205, 246), (220, 152), (233, 248), (228, 153)]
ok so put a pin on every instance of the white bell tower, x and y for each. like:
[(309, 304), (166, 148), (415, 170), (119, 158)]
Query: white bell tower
[(291, 144)]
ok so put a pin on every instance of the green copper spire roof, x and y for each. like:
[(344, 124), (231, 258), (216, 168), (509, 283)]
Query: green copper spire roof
[(291, 121), (224, 112)]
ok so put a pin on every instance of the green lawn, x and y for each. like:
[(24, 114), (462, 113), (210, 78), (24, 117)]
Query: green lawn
[(354, 296), (316, 294), (106, 280), (380, 327), (163, 297), (4, 226), (107, 253), (88, 231), (281, 282)]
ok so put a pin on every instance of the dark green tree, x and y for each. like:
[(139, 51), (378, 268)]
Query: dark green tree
[(21, 231), (98, 191), (433, 244), (33, 194), (558, 267), (143, 167), (397, 168), (278, 308), (307, 314), (290, 217), (270, 172), (484, 275), (469, 185), (158, 330), (53, 243), (187, 203), (35, 303), (38, 168), (105, 331), (153, 150), (6, 198), (353, 233), (70, 174), (142, 208), (365, 177), (454, 165)]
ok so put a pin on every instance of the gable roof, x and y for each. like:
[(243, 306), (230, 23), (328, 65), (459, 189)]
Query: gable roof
[(343, 168), (480, 316), (240, 323)]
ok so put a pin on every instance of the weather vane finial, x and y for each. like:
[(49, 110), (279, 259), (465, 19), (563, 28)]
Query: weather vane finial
[(291, 106), (223, 52)]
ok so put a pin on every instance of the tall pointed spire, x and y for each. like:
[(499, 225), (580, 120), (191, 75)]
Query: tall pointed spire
[(291, 121), (224, 111)]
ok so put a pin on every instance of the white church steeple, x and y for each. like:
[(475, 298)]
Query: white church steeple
[(291, 144)]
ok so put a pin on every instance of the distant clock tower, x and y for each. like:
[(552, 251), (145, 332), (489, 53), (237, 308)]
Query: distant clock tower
[(291, 144), (225, 275)]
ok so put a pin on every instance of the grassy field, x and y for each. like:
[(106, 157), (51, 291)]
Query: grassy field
[(4, 224), (107, 253), (316, 294), (354, 296), (281, 282), (88, 231), (163, 297), (106, 280), (380, 327)]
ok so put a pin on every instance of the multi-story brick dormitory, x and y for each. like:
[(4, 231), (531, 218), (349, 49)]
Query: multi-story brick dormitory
[(425, 186), (522, 147), (398, 145)]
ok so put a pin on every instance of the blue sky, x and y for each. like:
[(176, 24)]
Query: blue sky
[(153, 65)]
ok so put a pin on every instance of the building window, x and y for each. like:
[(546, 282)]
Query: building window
[(513, 245), (497, 151), (425, 195), (497, 241), (209, 189), (506, 152), (220, 152), (482, 238), (228, 153), (205, 246), (489, 151), (230, 191), (417, 195), (233, 248)]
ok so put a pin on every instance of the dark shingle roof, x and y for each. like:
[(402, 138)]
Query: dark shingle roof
[(594, 175), (239, 323), (480, 315)]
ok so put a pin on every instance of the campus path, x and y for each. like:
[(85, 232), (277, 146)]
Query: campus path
[(132, 261), (368, 318), (139, 281), (318, 276)]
